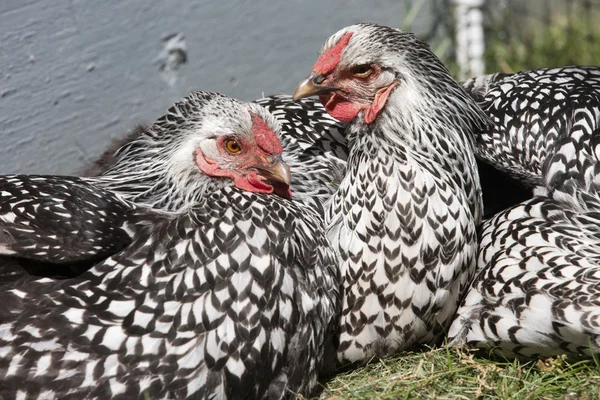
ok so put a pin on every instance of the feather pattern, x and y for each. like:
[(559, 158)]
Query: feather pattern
[(60, 219), (232, 299), (536, 113)]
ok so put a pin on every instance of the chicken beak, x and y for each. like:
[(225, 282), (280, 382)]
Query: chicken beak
[(312, 86), (278, 171)]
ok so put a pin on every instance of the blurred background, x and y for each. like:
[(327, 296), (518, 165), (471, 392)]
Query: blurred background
[(74, 73)]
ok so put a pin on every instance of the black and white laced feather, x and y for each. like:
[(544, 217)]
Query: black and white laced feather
[(536, 292), (57, 226), (233, 296), (536, 115)]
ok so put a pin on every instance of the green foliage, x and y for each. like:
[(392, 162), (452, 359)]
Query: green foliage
[(535, 44)]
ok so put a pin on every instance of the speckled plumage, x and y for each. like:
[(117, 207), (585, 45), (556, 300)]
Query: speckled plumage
[(34, 208), (536, 113), (404, 218), (57, 225), (233, 296)]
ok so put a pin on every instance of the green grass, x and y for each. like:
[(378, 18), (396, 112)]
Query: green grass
[(448, 373)]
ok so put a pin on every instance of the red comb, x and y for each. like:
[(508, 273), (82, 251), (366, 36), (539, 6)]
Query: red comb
[(264, 136), (328, 61)]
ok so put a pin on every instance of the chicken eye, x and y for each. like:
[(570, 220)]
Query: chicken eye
[(233, 146), (362, 71)]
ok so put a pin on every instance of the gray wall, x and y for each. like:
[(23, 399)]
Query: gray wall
[(75, 73)]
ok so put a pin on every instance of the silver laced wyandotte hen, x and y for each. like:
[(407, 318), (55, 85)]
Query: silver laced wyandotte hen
[(234, 296), (404, 219), (132, 168)]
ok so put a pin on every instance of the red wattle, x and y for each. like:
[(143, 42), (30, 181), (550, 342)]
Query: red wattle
[(379, 102), (250, 183), (258, 184), (339, 108)]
